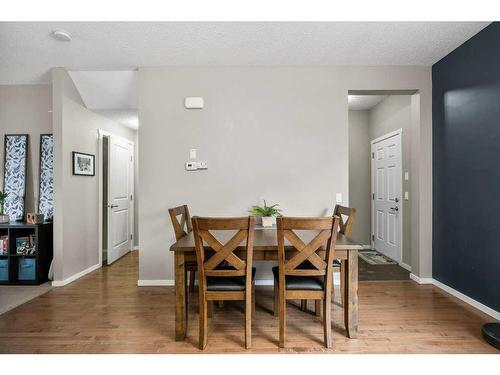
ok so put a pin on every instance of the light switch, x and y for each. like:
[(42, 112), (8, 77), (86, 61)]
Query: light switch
[(192, 154), (338, 198), (191, 166), (407, 196), (407, 176)]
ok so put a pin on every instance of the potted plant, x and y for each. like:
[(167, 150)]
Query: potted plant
[(266, 213), (3, 217)]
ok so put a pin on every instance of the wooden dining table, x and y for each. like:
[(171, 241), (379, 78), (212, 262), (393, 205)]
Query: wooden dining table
[(266, 249)]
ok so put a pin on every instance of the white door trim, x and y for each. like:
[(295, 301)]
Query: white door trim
[(372, 142), (102, 133)]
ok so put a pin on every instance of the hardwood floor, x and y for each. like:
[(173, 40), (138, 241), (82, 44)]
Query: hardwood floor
[(105, 312)]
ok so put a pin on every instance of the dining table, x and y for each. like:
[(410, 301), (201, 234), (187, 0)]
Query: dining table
[(265, 248)]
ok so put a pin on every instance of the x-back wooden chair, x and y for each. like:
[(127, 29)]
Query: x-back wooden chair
[(315, 281), (346, 221), (181, 228), (224, 274)]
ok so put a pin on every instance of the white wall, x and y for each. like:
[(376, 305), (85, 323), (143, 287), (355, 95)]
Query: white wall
[(24, 109), (278, 133), (76, 230), (360, 174)]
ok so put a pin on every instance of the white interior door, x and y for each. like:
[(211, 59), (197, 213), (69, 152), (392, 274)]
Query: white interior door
[(386, 195), (119, 198)]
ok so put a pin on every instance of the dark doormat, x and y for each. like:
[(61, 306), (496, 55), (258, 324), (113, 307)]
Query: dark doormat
[(369, 272)]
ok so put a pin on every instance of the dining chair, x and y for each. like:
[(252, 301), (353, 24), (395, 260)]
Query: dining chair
[(314, 281), (224, 275), (181, 228), (346, 220)]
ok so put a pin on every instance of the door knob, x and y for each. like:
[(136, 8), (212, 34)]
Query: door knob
[(395, 208), (113, 206), (396, 200)]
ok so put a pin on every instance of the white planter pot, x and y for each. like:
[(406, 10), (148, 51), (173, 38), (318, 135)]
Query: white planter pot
[(268, 221), (4, 219)]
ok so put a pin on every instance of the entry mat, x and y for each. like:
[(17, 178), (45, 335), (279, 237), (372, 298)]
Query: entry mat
[(375, 258)]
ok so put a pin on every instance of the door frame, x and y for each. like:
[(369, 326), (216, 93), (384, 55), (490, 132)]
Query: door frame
[(101, 134), (372, 164)]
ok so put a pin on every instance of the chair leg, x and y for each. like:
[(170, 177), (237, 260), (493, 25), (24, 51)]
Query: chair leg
[(253, 300), (248, 319), (203, 323), (317, 307), (282, 313), (191, 280), (303, 305), (210, 308), (327, 320), (342, 281), (276, 299)]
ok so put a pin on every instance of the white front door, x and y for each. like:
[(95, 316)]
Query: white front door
[(386, 195), (119, 198)]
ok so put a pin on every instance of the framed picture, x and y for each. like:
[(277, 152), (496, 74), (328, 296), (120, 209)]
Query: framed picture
[(83, 164)]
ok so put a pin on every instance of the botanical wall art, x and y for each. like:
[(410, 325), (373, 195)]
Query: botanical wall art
[(46, 189), (16, 153)]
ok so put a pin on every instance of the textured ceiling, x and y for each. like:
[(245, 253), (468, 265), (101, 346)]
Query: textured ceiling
[(28, 52), (363, 102)]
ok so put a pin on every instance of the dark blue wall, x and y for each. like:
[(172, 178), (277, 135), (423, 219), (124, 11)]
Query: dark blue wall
[(466, 168)]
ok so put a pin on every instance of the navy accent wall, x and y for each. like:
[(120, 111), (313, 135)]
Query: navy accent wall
[(466, 168)]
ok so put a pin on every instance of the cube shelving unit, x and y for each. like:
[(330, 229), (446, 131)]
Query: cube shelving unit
[(40, 260)]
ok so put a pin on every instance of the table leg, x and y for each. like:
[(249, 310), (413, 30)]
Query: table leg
[(180, 297), (351, 294)]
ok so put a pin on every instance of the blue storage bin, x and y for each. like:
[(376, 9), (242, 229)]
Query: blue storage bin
[(4, 270), (27, 269)]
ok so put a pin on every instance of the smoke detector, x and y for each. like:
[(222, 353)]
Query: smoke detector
[(61, 35)]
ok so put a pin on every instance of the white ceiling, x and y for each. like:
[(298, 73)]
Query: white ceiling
[(28, 52), (107, 89), (363, 102)]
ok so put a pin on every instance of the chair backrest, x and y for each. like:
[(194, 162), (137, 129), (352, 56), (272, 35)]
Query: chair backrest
[(345, 224), (322, 230), (182, 227), (211, 255)]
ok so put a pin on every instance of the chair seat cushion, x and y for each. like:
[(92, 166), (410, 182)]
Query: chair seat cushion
[(306, 264), (191, 264), (301, 282), (227, 284)]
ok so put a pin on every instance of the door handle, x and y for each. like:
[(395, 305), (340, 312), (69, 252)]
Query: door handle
[(394, 208), (113, 206)]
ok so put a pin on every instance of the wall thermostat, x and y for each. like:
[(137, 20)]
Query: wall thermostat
[(194, 102)]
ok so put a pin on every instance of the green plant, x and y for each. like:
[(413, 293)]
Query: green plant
[(2, 200), (265, 211)]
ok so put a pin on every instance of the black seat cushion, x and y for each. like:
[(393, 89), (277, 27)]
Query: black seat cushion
[(301, 282), (191, 264), (227, 284), (306, 264)]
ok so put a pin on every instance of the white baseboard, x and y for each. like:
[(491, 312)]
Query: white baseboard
[(155, 282), (405, 266), (421, 280), (70, 279), (135, 248), (467, 299), (455, 293)]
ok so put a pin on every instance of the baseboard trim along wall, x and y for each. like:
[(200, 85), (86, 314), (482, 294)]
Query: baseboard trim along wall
[(336, 281), (155, 283), (405, 266), (455, 293), (76, 276)]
